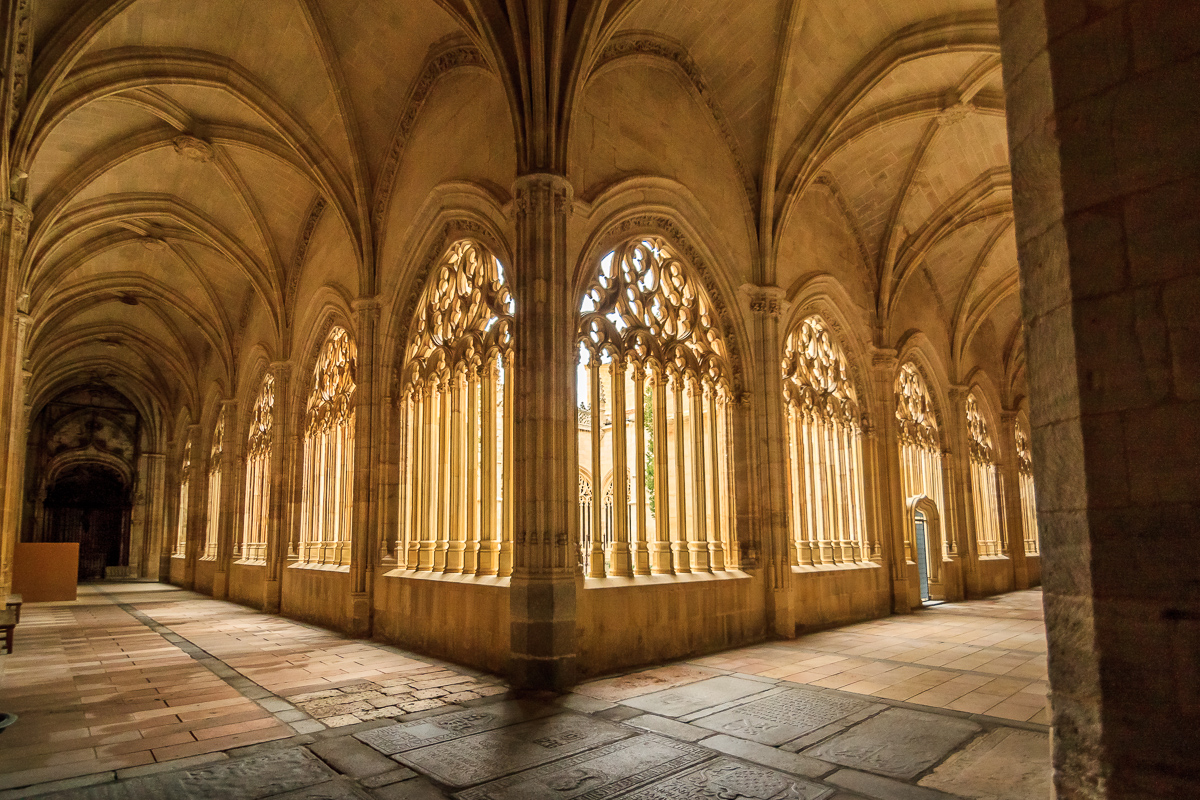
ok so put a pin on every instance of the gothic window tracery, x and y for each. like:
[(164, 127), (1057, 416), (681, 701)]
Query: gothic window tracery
[(654, 378), (985, 483), (212, 524), (328, 480), (185, 474), (921, 469), (257, 510), (456, 406), (824, 450), (1028, 498)]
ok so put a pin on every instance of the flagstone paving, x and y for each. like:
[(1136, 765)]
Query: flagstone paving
[(142, 690)]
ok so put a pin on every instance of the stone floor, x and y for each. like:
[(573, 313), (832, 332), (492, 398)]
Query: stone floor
[(141, 690)]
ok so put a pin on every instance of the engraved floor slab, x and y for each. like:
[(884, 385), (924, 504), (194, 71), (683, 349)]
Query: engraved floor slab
[(658, 679), (1007, 764), (243, 779), (697, 696), (494, 754), (726, 778), (898, 743), (782, 717), (444, 727), (598, 774)]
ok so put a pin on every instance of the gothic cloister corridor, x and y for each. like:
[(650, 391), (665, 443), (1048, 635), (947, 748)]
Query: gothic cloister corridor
[(141, 689)]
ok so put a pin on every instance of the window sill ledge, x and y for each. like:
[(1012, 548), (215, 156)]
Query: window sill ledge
[(250, 562), (677, 579), (320, 567), (447, 577), (811, 568)]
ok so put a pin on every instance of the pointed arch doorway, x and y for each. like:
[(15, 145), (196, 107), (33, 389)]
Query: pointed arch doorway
[(925, 550)]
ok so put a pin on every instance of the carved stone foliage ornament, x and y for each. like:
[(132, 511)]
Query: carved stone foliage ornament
[(218, 442), (331, 403), (193, 148), (914, 409), (1024, 453), (465, 316), (261, 418), (185, 469), (644, 302), (977, 431), (815, 374)]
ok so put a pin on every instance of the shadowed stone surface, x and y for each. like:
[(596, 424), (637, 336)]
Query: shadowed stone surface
[(640, 683), (444, 727), (726, 779), (697, 696), (782, 717), (602, 773), (494, 754), (1006, 764), (899, 743)]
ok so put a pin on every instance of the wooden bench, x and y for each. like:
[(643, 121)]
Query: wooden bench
[(8, 624), (14, 603)]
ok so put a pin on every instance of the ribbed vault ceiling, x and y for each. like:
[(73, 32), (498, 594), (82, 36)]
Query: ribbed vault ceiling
[(179, 156)]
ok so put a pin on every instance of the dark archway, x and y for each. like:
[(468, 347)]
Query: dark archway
[(90, 504)]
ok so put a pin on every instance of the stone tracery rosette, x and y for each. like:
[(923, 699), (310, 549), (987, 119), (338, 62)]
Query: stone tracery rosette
[(815, 374), (977, 430), (644, 304), (261, 419), (331, 403), (465, 315), (914, 410)]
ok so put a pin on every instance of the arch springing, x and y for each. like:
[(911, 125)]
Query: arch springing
[(985, 483), (457, 423), (1029, 524), (257, 511), (212, 523), (654, 385), (328, 481), (921, 468), (825, 462)]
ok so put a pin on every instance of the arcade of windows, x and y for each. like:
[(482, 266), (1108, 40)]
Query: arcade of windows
[(655, 428)]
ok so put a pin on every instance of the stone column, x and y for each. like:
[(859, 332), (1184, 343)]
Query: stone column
[(363, 524), (770, 446), (153, 486), (1010, 479), (283, 466), (545, 476), (960, 515), (233, 474), (889, 490), (1105, 148), (197, 506), (14, 232)]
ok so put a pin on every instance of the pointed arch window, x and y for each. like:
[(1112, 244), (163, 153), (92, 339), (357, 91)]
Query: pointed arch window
[(185, 475), (653, 379), (212, 523), (257, 511), (985, 484), (456, 411), (828, 514), (328, 481), (921, 471), (1029, 524)]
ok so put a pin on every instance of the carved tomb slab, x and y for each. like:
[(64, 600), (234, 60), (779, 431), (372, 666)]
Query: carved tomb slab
[(782, 717), (597, 774), (493, 754)]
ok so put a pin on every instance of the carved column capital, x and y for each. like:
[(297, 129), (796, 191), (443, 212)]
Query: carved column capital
[(539, 187), (766, 300), (370, 304)]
